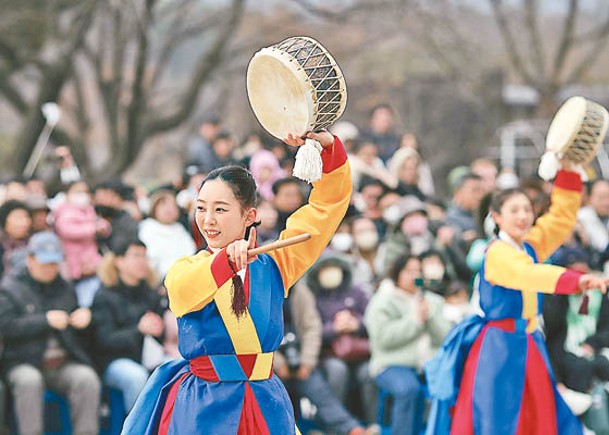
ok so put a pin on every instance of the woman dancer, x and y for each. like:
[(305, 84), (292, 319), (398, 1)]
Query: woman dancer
[(507, 384), (229, 308)]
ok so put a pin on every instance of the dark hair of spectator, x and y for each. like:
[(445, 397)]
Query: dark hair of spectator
[(366, 181), (8, 207), (223, 135), (394, 271), (431, 253), (501, 197), (121, 247), (277, 185), (460, 181)]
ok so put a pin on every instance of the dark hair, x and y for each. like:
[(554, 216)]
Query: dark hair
[(396, 267), (277, 185), (122, 245), (240, 181), (460, 181), (501, 197), (8, 207), (431, 253)]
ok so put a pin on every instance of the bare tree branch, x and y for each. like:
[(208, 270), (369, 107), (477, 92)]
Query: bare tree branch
[(566, 41), (531, 9), (510, 43), (589, 60), (206, 65)]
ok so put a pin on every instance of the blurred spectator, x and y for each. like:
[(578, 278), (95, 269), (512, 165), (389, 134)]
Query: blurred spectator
[(36, 187), (297, 358), (411, 234), (577, 338), (426, 183), (366, 163), (109, 200), (366, 247), (127, 311), (594, 218), (341, 305), (461, 213), (42, 328), (40, 211), (456, 302), (219, 153), (288, 197), (265, 169), (381, 131), (406, 326), (165, 238), (15, 190), (78, 226), (404, 165), (433, 272), (16, 226), (199, 147), (267, 215), (534, 188), (368, 202), (487, 171), (347, 132)]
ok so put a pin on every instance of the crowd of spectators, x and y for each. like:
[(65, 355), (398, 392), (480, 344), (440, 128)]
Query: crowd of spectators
[(83, 308)]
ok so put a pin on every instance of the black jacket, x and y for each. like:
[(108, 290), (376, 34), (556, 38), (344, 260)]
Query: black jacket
[(23, 324), (116, 313)]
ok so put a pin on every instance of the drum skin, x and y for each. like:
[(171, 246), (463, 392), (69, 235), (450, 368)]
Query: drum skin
[(578, 129), (295, 86)]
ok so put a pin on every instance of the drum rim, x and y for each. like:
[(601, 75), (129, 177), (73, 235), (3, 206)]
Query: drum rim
[(304, 81), (588, 108)]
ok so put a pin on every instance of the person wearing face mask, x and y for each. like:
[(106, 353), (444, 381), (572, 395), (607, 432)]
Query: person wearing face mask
[(410, 233), (78, 227), (341, 304), (406, 326), (367, 253), (110, 200)]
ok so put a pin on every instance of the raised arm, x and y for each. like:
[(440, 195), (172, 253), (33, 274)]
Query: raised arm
[(551, 229), (320, 217)]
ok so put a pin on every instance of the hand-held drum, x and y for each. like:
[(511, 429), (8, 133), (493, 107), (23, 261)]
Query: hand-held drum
[(295, 86), (576, 132)]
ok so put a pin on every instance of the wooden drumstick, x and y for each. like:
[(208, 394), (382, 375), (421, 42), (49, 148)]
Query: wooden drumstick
[(279, 244)]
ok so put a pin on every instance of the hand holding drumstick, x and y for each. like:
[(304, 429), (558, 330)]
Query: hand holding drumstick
[(241, 252)]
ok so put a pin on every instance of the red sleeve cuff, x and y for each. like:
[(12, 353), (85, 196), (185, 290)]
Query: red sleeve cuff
[(568, 283), (568, 180), (334, 156), (221, 269)]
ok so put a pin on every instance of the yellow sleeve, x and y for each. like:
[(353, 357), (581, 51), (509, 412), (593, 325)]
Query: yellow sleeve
[(509, 267), (551, 229), (192, 282), (321, 217)]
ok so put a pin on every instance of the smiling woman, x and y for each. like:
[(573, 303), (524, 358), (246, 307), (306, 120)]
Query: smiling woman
[(506, 384), (229, 307)]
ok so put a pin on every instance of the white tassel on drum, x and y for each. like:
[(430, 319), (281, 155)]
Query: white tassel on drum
[(308, 165), (549, 165)]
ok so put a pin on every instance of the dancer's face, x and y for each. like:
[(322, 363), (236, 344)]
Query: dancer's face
[(220, 216), (516, 216)]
